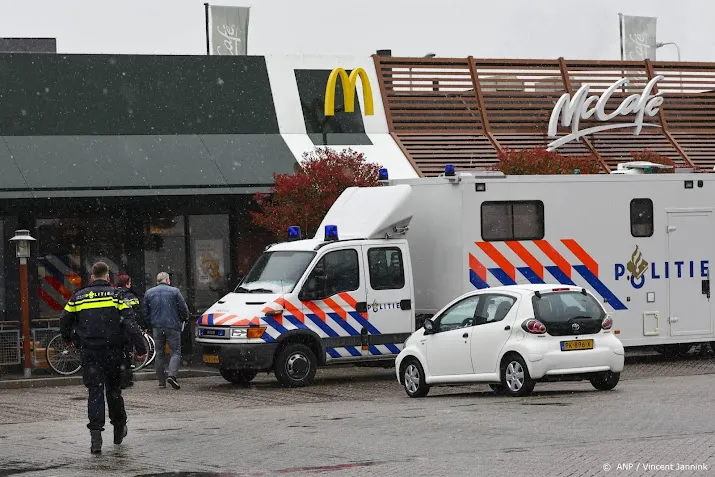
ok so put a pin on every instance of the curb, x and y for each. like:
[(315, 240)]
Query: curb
[(77, 379)]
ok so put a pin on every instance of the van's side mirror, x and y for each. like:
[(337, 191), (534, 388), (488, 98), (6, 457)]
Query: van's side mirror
[(429, 326)]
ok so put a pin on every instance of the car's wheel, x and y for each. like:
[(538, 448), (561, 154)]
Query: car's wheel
[(497, 388), (236, 376), (413, 378), (515, 377), (605, 381), (295, 366)]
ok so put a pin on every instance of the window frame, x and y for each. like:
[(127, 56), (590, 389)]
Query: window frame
[(488, 296), (652, 216), (391, 248), (303, 290), (541, 219), (438, 320), (602, 313)]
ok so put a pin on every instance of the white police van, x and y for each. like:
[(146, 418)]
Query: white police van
[(387, 257)]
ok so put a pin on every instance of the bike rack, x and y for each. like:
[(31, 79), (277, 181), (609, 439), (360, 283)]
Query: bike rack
[(10, 347)]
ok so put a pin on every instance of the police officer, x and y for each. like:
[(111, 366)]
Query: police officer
[(131, 296), (99, 316)]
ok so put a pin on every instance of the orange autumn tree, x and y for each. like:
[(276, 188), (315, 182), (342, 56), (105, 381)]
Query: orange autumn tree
[(305, 197)]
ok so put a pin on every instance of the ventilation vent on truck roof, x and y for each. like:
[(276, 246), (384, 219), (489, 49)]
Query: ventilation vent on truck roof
[(479, 174), (639, 167)]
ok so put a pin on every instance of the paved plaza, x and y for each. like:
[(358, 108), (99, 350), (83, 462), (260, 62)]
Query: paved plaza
[(358, 421)]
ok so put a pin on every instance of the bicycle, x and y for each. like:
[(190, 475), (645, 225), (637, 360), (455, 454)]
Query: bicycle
[(65, 360)]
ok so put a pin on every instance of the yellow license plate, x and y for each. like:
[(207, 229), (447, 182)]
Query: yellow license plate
[(576, 345), (210, 359)]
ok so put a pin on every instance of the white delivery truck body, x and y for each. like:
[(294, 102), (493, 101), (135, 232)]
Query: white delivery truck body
[(642, 243)]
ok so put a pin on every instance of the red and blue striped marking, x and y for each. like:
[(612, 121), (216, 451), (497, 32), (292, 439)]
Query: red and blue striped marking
[(535, 272)]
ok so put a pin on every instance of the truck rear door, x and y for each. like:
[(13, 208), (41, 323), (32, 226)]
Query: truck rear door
[(389, 297)]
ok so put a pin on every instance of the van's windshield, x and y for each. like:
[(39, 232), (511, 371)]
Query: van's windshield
[(275, 272)]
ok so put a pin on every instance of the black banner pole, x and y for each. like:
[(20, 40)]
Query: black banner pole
[(206, 10)]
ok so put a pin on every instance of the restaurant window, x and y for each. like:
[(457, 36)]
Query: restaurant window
[(209, 236), (513, 220), (641, 217), (165, 251), (59, 263)]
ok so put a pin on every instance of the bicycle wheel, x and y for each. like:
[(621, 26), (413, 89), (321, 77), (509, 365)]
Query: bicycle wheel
[(63, 359), (138, 365), (152, 349)]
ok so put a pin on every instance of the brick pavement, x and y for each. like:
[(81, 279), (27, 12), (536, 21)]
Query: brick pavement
[(332, 384), (359, 422)]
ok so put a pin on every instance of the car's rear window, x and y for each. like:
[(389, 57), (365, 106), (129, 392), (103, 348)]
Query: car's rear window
[(558, 308)]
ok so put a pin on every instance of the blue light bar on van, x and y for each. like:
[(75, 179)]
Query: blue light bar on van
[(449, 170), (294, 233), (383, 175), (331, 232)]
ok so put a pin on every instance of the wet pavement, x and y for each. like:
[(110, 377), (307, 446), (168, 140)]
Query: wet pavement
[(358, 421)]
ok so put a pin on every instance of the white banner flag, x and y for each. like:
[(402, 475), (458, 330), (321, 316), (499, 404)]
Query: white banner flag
[(637, 37), (228, 28)]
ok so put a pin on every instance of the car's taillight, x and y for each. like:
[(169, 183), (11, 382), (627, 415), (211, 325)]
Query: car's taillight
[(607, 323), (534, 326)]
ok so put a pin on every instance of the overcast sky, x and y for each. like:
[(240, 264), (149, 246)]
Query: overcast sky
[(508, 28)]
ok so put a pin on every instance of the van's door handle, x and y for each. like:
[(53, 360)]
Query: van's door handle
[(507, 328), (465, 335)]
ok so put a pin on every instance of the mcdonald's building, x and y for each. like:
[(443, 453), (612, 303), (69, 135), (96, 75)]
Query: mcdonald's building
[(150, 163)]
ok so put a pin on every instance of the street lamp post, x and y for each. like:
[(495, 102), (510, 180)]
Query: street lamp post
[(22, 241), (660, 45)]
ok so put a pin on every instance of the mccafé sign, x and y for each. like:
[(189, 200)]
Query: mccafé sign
[(570, 111), (349, 84)]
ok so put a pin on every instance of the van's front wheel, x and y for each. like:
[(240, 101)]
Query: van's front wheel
[(295, 366)]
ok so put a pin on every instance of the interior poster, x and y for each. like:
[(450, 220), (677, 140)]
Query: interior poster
[(209, 263)]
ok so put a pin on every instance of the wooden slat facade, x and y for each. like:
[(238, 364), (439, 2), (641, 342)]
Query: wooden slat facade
[(463, 111)]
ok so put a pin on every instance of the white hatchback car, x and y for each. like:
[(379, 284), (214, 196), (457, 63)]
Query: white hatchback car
[(511, 337)]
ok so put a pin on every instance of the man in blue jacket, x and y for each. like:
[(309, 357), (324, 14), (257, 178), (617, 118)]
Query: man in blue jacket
[(166, 310)]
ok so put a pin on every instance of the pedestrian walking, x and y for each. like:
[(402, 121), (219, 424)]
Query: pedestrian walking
[(166, 310), (96, 318), (132, 296)]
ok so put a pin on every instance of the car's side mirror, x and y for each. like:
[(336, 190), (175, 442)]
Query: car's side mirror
[(429, 326)]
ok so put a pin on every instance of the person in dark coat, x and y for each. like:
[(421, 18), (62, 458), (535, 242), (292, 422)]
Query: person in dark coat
[(133, 297), (99, 318)]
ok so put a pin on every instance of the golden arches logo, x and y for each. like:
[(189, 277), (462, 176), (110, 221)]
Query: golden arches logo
[(349, 85)]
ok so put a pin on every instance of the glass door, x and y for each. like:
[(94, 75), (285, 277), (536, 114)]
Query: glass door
[(165, 251), (106, 240)]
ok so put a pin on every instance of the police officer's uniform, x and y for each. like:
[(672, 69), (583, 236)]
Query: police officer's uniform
[(131, 297), (99, 316)]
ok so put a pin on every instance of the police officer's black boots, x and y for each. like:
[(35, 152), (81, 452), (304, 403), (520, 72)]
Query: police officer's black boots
[(96, 447), (120, 432)]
